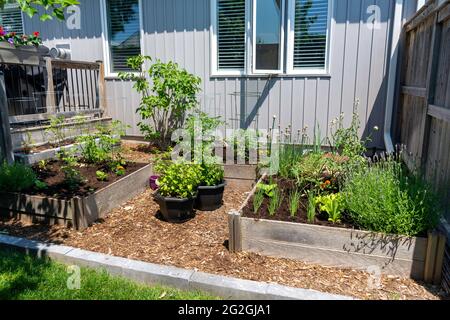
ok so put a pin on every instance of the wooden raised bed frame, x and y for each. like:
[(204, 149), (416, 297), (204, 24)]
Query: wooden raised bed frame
[(415, 257), (78, 212)]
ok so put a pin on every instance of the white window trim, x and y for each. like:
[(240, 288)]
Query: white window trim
[(105, 38), (281, 50), (290, 70), (286, 48), (215, 72)]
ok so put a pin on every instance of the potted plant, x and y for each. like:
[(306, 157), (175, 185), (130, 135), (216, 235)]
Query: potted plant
[(178, 190), (19, 49), (210, 191)]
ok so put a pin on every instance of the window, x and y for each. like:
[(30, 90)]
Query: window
[(270, 36), (11, 18), (123, 32), (310, 34), (229, 35)]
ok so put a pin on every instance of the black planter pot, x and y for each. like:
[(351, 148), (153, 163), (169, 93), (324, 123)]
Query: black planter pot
[(175, 209), (210, 198)]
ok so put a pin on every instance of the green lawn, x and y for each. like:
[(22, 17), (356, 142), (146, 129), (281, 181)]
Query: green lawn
[(26, 278)]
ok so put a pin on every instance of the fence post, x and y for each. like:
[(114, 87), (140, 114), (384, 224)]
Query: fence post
[(6, 151), (50, 96), (101, 89), (431, 86)]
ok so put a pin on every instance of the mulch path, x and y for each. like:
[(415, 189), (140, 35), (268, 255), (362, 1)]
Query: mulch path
[(135, 231)]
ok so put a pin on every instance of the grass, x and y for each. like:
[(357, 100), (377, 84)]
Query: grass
[(24, 277)]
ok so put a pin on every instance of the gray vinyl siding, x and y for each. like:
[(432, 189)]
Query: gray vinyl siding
[(178, 30)]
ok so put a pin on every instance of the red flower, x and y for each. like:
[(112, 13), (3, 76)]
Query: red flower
[(36, 34), (2, 32), (12, 34)]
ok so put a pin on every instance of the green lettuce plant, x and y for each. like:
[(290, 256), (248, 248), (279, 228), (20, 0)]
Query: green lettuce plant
[(333, 205)]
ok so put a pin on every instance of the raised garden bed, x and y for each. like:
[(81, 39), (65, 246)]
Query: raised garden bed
[(324, 243), (75, 208)]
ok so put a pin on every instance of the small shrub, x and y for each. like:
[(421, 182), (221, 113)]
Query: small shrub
[(294, 202), (180, 180), (258, 199), (383, 197), (16, 177), (275, 201), (212, 174), (333, 205)]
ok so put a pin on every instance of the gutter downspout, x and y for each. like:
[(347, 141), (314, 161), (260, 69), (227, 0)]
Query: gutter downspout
[(390, 100)]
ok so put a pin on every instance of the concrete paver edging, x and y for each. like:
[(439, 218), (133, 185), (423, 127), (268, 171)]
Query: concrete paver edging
[(149, 273)]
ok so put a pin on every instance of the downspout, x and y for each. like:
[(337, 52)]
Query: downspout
[(392, 78)]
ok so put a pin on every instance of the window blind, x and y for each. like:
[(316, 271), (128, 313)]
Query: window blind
[(231, 34), (11, 18), (310, 38), (123, 32)]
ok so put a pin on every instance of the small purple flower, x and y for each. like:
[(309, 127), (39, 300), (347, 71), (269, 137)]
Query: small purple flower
[(11, 41)]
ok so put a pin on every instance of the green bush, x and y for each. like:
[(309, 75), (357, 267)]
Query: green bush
[(180, 180), (212, 174), (383, 197), (101, 147), (167, 93), (16, 177)]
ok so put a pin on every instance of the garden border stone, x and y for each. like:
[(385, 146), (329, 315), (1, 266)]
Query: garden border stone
[(151, 274), (415, 257)]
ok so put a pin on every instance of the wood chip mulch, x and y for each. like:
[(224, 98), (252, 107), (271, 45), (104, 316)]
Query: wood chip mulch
[(135, 231)]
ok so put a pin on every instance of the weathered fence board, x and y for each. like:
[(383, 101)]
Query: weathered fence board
[(424, 119)]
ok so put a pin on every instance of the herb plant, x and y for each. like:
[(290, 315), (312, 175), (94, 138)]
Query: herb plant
[(212, 174), (258, 199), (56, 130), (311, 209), (275, 201), (180, 180), (294, 202), (384, 197), (16, 177)]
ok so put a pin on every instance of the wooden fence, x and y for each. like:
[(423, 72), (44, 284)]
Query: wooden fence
[(424, 119)]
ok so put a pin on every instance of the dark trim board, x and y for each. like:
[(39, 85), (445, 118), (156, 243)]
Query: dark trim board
[(78, 212)]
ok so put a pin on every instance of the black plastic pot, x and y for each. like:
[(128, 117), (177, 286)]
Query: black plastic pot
[(210, 198), (175, 209)]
